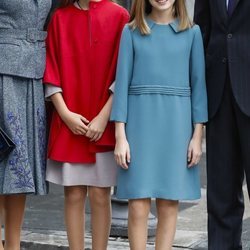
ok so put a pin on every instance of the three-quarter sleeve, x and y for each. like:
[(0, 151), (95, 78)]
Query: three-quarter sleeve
[(123, 77), (51, 90), (112, 87), (197, 79), (52, 73)]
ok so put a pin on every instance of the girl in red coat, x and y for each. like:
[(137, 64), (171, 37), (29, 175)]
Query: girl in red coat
[(82, 48)]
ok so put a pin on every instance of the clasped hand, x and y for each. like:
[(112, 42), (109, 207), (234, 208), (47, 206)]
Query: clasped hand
[(79, 125)]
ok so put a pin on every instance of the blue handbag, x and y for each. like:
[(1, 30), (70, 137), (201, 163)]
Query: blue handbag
[(6, 145)]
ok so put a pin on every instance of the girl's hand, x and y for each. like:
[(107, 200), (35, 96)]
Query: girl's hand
[(194, 152), (76, 123), (195, 146), (96, 127), (122, 152)]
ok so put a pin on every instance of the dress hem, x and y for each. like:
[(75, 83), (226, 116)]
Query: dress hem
[(80, 184), (154, 196)]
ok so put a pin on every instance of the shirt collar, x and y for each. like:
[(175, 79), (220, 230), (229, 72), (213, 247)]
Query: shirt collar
[(174, 24)]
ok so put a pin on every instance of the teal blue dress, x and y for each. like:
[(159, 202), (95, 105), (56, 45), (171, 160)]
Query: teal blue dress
[(160, 93)]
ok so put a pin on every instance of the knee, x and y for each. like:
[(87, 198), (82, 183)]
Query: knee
[(73, 195), (99, 197), (139, 209), (167, 207)]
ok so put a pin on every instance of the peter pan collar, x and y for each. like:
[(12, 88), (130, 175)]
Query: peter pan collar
[(174, 25)]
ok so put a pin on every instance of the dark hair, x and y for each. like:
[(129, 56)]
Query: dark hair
[(64, 3)]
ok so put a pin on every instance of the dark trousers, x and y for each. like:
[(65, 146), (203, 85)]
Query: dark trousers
[(228, 158)]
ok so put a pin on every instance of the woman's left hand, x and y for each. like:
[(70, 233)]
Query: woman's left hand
[(97, 127), (194, 151)]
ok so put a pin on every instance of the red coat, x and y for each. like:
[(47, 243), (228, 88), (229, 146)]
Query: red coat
[(82, 50)]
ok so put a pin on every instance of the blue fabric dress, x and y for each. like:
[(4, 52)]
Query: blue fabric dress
[(160, 93)]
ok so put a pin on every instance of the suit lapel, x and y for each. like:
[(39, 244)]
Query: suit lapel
[(236, 3), (222, 6), (223, 9)]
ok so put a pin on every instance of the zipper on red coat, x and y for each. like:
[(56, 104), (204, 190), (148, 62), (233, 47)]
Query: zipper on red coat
[(89, 26)]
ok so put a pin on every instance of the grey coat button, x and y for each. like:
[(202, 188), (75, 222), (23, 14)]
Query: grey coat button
[(224, 59)]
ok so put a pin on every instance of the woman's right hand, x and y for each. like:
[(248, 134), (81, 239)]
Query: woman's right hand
[(76, 123), (122, 152)]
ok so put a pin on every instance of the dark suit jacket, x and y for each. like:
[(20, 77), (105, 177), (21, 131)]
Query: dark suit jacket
[(227, 45)]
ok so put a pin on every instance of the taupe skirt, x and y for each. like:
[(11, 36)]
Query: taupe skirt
[(100, 174)]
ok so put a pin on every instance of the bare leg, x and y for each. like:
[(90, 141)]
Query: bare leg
[(138, 223), (74, 212), (100, 203), (167, 217), (1, 219), (13, 212)]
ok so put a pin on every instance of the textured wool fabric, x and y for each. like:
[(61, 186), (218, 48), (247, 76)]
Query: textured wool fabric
[(22, 109), (22, 47), (22, 116)]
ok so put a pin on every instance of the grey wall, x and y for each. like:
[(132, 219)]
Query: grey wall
[(190, 7)]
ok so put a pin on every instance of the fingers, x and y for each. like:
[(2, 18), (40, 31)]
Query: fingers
[(128, 157), (84, 127), (93, 133), (118, 158), (80, 131), (189, 155), (99, 137), (77, 126), (123, 162), (84, 119), (122, 159), (96, 137), (195, 158), (90, 134)]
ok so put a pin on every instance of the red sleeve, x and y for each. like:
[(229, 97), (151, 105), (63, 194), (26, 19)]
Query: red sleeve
[(52, 73)]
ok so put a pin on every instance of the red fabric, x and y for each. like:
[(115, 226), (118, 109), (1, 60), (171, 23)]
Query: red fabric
[(82, 50)]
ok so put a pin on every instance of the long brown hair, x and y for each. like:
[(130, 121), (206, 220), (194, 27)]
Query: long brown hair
[(142, 8)]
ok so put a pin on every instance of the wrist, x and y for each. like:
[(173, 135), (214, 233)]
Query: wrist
[(104, 116), (120, 137), (64, 114), (197, 138)]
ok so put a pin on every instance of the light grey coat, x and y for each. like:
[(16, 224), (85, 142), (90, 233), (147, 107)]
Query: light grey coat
[(22, 46)]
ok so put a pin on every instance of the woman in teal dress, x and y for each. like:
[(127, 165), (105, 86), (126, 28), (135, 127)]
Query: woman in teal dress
[(159, 107)]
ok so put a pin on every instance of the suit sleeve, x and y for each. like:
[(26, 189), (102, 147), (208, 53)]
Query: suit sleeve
[(197, 79), (203, 19), (52, 73), (123, 77)]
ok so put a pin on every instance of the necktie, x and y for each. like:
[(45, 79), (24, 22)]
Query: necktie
[(230, 8)]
